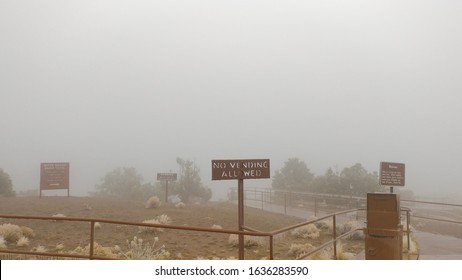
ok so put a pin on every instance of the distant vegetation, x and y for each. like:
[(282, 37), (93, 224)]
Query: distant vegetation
[(354, 180), (6, 185), (128, 183)]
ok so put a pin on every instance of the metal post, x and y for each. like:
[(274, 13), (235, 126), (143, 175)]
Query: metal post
[(408, 216), (271, 247), (166, 191), (240, 190), (262, 200), (92, 238), (315, 206), (334, 230)]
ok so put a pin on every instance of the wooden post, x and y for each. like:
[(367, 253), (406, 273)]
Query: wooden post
[(92, 238), (240, 190), (166, 191)]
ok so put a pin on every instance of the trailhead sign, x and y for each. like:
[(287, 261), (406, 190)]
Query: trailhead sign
[(240, 169), (392, 174), (166, 177), (54, 176)]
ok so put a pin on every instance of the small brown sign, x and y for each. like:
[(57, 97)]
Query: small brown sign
[(240, 169), (166, 177), (54, 176), (392, 174)]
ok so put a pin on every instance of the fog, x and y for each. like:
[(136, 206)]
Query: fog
[(107, 84)]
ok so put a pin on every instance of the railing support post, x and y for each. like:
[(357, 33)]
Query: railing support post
[(334, 231), (92, 238), (271, 240), (408, 217)]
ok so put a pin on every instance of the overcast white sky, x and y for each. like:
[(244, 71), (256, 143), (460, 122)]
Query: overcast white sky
[(105, 84)]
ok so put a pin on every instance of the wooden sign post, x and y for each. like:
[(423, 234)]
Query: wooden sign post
[(239, 170), (166, 177)]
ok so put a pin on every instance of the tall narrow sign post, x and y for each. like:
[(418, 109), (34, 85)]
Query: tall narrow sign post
[(166, 177), (239, 170)]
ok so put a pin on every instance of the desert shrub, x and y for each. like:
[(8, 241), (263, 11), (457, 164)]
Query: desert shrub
[(27, 231), (180, 205), (308, 231), (2, 242), (249, 240), (159, 220), (217, 227), (231, 258), (342, 254), (40, 249), (22, 242), (59, 246), (349, 226), (137, 250), (153, 202), (58, 216), (324, 226), (297, 250), (97, 225), (97, 250), (11, 233)]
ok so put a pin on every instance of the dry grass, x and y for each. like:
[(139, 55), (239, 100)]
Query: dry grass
[(216, 227), (2, 243), (349, 226), (249, 241), (159, 220), (180, 244), (138, 250), (98, 250), (23, 242), (180, 205), (297, 250), (309, 231), (27, 231), (40, 249)]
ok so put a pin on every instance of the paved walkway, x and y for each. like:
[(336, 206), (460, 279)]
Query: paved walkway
[(438, 247), (431, 246)]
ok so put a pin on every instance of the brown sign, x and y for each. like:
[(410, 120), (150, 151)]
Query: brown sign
[(392, 174), (240, 169), (166, 177), (54, 176)]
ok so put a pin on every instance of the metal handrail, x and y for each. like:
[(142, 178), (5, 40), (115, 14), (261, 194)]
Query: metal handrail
[(247, 231), (92, 221)]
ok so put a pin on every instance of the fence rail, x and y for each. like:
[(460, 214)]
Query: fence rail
[(248, 231), (265, 196)]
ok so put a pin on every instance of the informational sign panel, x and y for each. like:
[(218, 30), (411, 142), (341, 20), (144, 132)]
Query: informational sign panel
[(166, 176), (240, 169), (392, 174), (54, 175)]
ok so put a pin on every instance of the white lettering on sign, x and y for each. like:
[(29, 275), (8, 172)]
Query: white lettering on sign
[(240, 169)]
